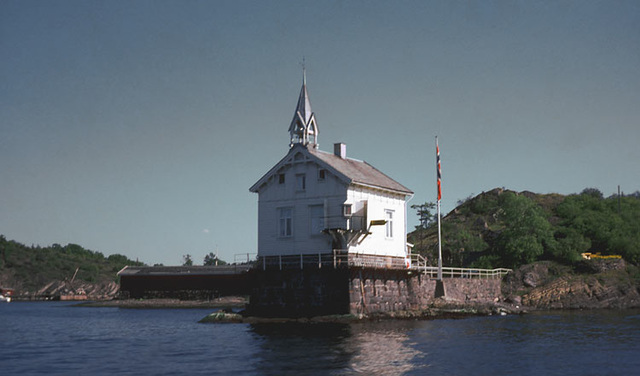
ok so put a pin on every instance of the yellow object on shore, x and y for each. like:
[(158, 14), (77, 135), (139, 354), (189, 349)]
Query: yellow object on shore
[(598, 255)]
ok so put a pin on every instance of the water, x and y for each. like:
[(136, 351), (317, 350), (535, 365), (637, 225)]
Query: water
[(56, 338)]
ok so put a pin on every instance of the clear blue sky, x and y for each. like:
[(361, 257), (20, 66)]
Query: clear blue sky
[(138, 127)]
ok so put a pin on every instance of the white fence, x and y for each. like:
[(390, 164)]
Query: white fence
[(341, 259), (419, 263)]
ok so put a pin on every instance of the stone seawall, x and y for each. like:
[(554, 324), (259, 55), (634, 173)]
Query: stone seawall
[(386, 291), (358, 291), (473, 290)]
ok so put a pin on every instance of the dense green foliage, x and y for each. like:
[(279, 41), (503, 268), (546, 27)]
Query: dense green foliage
[(527, 233), (36, 266), (507, 229)]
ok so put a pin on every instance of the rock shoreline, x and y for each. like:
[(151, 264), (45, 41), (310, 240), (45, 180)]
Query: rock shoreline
[(590, 284), (229, 302), (440, 309)]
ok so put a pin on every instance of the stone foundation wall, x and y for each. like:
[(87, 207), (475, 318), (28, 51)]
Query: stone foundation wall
[(373, 291), (473, 290), (313, 292), (380, 290), (299, 293)]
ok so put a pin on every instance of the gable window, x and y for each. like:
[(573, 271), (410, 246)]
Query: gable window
[(280, 178), (301, 182), (285, 222), (388, 216), (322, 174), (316, 219)]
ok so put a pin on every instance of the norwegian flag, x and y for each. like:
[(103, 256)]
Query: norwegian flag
[(439, 172)]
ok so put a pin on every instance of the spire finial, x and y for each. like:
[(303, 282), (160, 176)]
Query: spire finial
[(304, 71)]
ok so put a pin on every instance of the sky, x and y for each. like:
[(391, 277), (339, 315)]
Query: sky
[(138, 127)]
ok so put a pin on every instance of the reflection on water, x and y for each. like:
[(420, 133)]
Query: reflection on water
[(364, 348), (547, 343), (384, 348)]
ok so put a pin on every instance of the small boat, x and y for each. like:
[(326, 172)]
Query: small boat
[(5, 295)]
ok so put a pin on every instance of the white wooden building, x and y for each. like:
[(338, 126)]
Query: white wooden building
[(314, 202)]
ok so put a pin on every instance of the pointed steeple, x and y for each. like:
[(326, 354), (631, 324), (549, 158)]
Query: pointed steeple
[(303, 128)]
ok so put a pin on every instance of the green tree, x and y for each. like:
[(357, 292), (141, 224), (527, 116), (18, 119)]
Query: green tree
[(212, 259), (570, 244), (527, 231), (459, 244), (593, 192), (425, 214), (187, 260), (612, 225), (594, 218)]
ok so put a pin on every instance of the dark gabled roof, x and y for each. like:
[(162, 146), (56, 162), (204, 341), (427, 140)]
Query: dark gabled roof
[(360, 172), (352, 171)]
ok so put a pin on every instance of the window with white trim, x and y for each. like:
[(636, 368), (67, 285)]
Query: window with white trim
[(285, 222), (388, 216)]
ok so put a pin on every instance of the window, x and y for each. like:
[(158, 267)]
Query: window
[(322, 174), (388, 215), (301, 182), (316, 217), (285, 225), (280, 178), (346, 210)]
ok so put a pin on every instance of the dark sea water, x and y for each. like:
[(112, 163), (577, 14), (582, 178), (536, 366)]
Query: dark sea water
[(56, 338)]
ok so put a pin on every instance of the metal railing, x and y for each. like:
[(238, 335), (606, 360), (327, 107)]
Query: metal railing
[(337, 259), (450, 272), (376, 262), (419, 263), (301, 261), (342, 259), (244, 258)]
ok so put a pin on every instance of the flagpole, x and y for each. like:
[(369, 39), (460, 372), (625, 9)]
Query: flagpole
[(438, 212)]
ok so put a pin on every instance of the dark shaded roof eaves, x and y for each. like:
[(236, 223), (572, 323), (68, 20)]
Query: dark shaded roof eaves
[(182, 270), (360, 172)]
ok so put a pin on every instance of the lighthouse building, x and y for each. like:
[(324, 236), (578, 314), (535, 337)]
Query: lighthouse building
[(314, 203)]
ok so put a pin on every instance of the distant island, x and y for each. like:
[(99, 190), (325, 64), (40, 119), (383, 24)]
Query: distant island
[(35, 272)]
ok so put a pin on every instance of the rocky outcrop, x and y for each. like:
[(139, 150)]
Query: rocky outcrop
[(56, 289), (590, 284), (93, 291)]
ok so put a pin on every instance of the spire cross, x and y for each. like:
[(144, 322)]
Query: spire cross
[(304, 71)]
